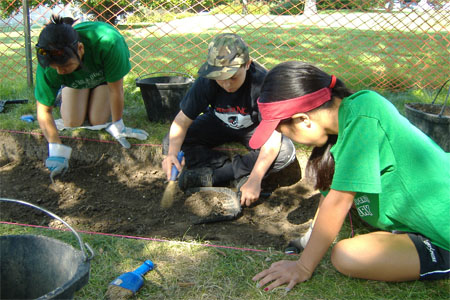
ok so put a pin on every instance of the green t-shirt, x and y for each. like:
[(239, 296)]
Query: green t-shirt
[(401, 177), (106, 59)]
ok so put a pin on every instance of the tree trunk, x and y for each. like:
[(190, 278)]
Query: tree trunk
[(389, 5), (310, 7), (244, 7)]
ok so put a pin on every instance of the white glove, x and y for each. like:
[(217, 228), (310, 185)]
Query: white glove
[(120, 133), (58, 159)]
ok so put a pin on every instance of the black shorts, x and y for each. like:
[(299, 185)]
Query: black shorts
[(434, 260)]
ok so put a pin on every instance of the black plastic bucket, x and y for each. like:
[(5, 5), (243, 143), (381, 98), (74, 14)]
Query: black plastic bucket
[(162, 94), (39, 267), (435, 125)]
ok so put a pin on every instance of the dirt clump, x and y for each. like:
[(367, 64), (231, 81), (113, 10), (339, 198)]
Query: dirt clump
[(205, 203), (104, 195)]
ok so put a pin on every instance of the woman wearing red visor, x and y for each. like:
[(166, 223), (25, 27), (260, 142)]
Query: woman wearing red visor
[(379, 163)]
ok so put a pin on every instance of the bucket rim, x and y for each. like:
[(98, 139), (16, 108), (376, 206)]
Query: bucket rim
[(83, 246), (164, 85), (182, 74), (77, 279), (53, 240), (409, 107)]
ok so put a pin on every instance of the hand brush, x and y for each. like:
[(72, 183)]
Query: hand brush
[(169, 193), (127, 284)]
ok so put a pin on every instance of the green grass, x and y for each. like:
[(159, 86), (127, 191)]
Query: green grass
[(377, 58), (135, 114), (358, 66), (191, 270), (391, 60)]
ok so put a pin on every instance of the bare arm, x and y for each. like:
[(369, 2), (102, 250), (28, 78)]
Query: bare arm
[(177, 134), (116, 99), (251, 189), (47, 123), (330, 218)]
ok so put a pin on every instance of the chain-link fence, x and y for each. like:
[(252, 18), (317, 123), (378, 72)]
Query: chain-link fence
[(391, 45)]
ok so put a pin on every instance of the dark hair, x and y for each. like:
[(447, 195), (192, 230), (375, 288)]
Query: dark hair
[(295, 79), (58, 42), (320, 167)]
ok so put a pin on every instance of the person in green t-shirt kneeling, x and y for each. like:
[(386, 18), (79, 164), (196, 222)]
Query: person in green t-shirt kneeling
[(89, 60), (366, 155)]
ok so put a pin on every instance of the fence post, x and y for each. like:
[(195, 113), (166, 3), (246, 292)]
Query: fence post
[(27, 31)]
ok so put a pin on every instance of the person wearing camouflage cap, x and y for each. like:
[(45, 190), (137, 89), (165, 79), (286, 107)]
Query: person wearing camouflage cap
[(226, 54), (220, 107)]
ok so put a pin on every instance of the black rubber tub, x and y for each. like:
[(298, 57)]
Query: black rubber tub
[(39, 267)]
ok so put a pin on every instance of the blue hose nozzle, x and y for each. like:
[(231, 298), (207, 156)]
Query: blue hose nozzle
[(134, 280)]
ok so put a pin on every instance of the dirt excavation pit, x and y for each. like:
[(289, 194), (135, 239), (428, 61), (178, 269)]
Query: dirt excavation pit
[(109, 197)]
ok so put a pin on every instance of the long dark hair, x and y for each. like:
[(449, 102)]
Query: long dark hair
[(320, 167), (295, 79), (58, 42)]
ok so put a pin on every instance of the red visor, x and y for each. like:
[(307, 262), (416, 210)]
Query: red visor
[(272, 113)]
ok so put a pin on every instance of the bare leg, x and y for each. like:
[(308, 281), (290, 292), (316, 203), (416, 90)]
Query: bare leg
[(379, 255), (99, 107), (74, 106)]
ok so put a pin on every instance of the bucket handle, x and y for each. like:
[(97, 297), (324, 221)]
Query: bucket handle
[(167, 72), (80, 241), (446, 98)]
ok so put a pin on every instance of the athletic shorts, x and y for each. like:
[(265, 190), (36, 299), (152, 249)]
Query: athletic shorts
[(434, 260)]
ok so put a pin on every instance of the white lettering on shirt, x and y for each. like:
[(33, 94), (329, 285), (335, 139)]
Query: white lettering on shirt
[(363, 210), (93, 80), (361, 200)]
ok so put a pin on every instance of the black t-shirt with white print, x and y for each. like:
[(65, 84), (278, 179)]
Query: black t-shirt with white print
[(237, 110)]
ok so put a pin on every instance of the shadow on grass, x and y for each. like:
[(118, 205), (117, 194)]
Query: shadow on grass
[(111, 190)]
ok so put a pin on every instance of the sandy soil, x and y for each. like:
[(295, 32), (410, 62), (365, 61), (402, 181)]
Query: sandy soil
[(103, 195)]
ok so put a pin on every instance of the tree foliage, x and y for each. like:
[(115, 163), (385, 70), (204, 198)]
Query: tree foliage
[(105, 10), (296, 7), (109, 10), (10, 7)]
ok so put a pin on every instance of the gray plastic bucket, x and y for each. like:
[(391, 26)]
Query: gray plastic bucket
[(162, 94), (436, 126), (39, 267)]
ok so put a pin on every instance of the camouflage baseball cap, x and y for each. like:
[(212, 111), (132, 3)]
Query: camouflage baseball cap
[(227, 52)]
